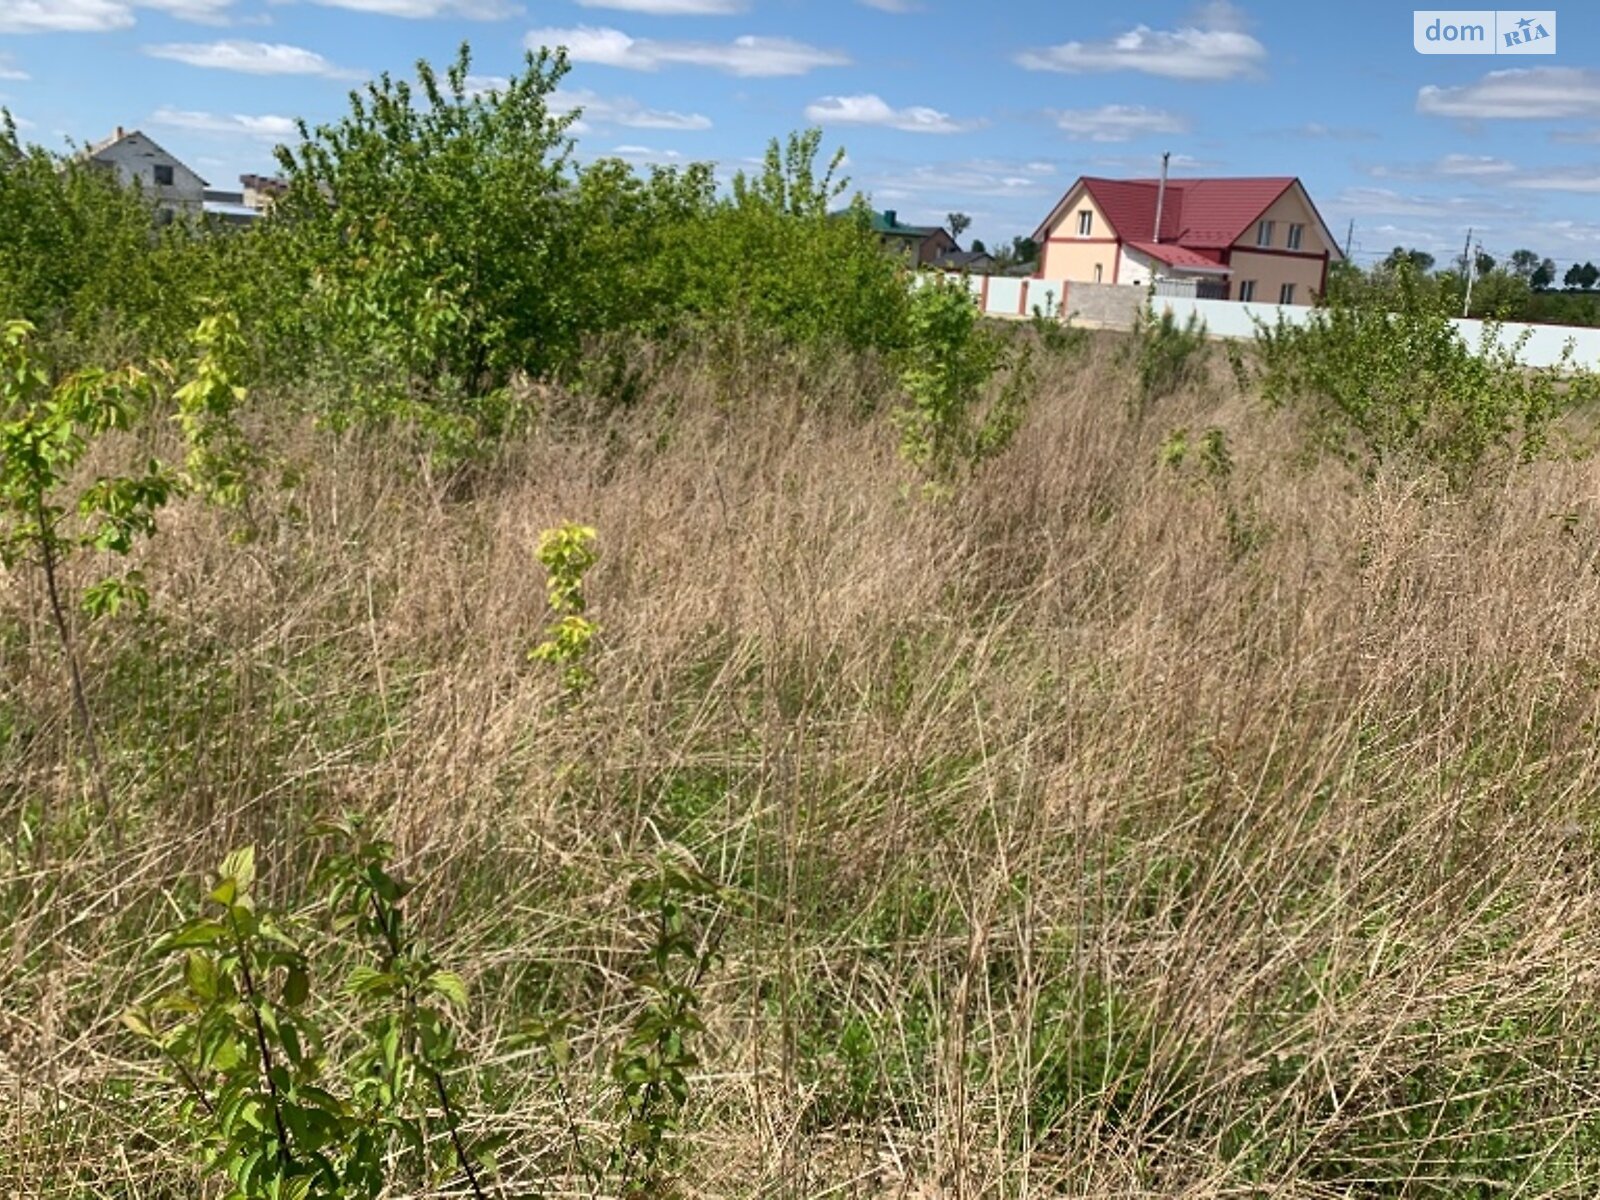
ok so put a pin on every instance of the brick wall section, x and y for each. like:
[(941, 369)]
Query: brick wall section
[(1104, 305)]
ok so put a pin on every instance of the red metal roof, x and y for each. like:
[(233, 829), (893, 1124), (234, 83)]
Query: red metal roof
[(1175, 255), (1205, 214)]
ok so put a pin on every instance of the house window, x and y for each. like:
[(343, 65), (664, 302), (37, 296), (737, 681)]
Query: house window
[(1085, 223), (1247, 290), (1264, 233), (1099, 272), (1297, 234), (163, 175), (1286, 294)]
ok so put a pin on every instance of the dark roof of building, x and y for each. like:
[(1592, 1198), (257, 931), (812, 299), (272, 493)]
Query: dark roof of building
[(964, 260), (888, 223)]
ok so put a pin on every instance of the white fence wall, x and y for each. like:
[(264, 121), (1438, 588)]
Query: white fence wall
[(1002, 296)]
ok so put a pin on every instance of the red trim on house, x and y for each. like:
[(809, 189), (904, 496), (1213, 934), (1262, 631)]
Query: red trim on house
[(1274, 252), (1116, 262), (983, 296), (1075, 241), (1323, 290)]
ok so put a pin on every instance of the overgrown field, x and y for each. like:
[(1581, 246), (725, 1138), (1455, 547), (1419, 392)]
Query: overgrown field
[(527, 679), (1168, 813)]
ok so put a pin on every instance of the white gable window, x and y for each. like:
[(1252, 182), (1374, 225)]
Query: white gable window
[(1264, 233), (1085, 223), (1099, 272), (1297, 235), (163, 175)]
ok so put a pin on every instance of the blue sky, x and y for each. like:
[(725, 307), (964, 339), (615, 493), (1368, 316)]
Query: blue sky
[(942, 106)]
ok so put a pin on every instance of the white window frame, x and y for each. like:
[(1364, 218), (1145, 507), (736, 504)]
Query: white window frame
[(1264, 232), (1247, 290), (1099, 273), (1297, 236), (1286, 294), (1086, 222)]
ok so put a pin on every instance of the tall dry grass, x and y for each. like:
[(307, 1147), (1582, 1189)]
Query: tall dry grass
[(1110, 830)]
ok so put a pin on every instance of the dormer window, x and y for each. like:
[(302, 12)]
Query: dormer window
[(1264, 233), (1085, 223)]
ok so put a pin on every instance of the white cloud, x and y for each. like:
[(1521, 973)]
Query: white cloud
[(1391, 203), (1214, 47), (672, 8), (1583, 181), (1576, 137), (251, 58), (202, 12), (747, 56), (1452, 166), (417, 10), (64, 16), (101, 16), (873, 110), (1117, 123), (267, 127), (1143, 165), (1522, 94), (648, 154), (893, 6), (9, 71), (979, 177), (624, 111), (1333, 133)]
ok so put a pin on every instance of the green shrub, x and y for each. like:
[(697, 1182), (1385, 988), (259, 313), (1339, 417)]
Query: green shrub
[(1166, 356), (1391, 380), (948, 365)]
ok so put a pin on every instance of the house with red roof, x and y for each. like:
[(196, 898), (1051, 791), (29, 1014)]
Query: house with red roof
[(1258, 238)]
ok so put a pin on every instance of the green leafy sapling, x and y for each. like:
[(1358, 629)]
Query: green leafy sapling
[(948, 365), (48, 516), (567, 552), (651, 1067), (270, 1109), (218, 457)]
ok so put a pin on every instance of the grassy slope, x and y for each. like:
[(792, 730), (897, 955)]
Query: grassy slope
[(1110, 830)]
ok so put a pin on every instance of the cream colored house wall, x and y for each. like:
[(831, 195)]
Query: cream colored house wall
[(1067, 256), (1271, 271), (1303, 268)]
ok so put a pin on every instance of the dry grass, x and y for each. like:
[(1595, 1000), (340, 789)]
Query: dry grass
[(1105, 832)]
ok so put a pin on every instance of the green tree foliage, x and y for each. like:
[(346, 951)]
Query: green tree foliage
[(948, 366), (271, 1109), (423, 229), (80, 259), (1388, 378)]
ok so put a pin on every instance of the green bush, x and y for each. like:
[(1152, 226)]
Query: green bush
[(1388, 378)]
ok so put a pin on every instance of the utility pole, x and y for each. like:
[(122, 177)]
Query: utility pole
[(1472, 270), (1349, 239)]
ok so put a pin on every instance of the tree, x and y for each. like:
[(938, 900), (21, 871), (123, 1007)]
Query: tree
[(1574, 276), (440, 256), (959, 224), (1524, 264), (1588, 275), (1485, 263), (1419, 260), (1544, 276), (978, 247), (1025, 249)]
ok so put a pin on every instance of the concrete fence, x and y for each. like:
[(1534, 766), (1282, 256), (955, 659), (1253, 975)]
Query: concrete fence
[(1114, 306)]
